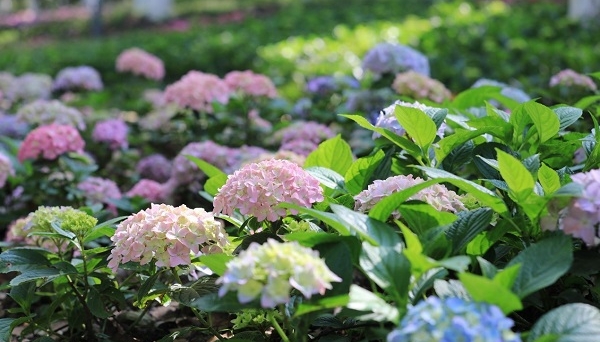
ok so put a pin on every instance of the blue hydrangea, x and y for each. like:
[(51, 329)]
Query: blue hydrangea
[(391, 58), (454, 320), (327, 85)]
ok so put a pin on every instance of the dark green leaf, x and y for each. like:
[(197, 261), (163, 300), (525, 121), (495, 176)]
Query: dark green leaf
[(568, 115), (95, 303), (373, 231), (22, 259), (421, 217), (468, 225), (575, 322)]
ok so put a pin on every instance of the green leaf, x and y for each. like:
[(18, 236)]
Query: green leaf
[(507, 276), (370, 230), (575, 322), (329, 218), (421, 217), (518, 178), (334, 154), (213, 184), (567, 116), (425, 282), (359, 173), (146, 287), (228, 303), (544, 119), (486, 290), (468, 225), (328, 177), (376, 308), (451, 288), (388, 268), (451, 142), (217, 262), (95, 303), (542, 264), (23, 294), (22, 259), (587, 101), (6, 328), (419, 126), (322, 304), (549, 179), (208, 169), (46, 274), (338, 258)]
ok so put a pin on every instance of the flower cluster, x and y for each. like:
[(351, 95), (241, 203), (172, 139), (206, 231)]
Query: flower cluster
[(454, 319), (185, 171), (294, 157), (198, 91), (387, 119), (29, 87), (150, 190), (68, 218), (306, 130), (243, 155), (249, 83), (506, 90), (111, 131), (155, 167), (169, 235), (258, 188), (99, 190), (50, 141), (272, 269), (436, 195), (571, 78), (12, 127), (6, 169), (44, 112), (323, 86), (391, 58), (75, 78), (142, 63), (419, 86)]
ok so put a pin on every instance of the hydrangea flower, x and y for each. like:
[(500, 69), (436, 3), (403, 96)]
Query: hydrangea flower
[(419, 86), (249, 83), (391, 58), (272, 270), (294, 157), (142, 63), (12, 127), (387, 119), (299, 146), (243, 155), (198, 91), (369, 102), (506, 90), (436, 195), (571, 78), (69, 219), (43, 112), (155, 97), (17, 232), (454, 319), (185, 171), (169, 235), (50, 141), (327, 85), (150, 190), (29, 87), (111, 131), (81, 77), (6, 169), (99, 190), (155, 167), (258, 188), (306, 130)]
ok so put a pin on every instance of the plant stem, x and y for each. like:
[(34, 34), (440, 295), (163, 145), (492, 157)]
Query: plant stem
[(89, 318), (278, 328), (207, 324)]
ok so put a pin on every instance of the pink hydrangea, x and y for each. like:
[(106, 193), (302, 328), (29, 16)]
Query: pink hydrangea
[(155, 167), (44, 112), (419, 86), (6, 169), (436, 195), (249, 83), (198, 91), (294, 157), (572, 78), (150, 190), (50, 141), (99, 190), (306, 130), (140, 62), (111, 131), (299, 146), (257, 189), (74, 78), (185, 171), (169, 235)]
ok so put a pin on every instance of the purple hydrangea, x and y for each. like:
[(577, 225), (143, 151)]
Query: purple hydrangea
[(155, 167), (185, 171), (454, 319), (12, 127), (75, 78), (391, 58), (326, 85), (113, 132)]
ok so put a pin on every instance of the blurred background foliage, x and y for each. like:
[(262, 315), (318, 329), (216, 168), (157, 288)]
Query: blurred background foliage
[(518, 42)]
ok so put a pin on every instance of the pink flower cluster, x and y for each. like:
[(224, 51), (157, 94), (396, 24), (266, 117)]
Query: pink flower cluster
[(185, 171), (111, 131), (249, 83), (572, 78), (74, 78), (50, 141), (148, 189), (419, 86), (582, 216), (436, 195), (258, 188), (6, 169), (198, 91), (99, 190), (44, 112), (169, 235), (142, 63), (302, 137)]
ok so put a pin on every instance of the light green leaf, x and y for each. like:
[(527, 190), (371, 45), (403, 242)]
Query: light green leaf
[(518, 178), (329, 218), (217, 262), (376, 308), (419, 126), (214, 183), (549, 179), (421, 217), (575, 322), (544, 119), (208, 169), (370, 230), (328, 177), (486, 290), (334, 154), (507, 276), (358, 175)]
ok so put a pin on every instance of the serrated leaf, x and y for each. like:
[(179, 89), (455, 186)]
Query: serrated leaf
[(421, 217), (519, 180), (468, 225), (542, 264), (419, 126), (46, 274), (486, 290), (451, 142), (549, 179), (575, 322), (334, 154), (567, 116), (95, 303), (359, 173), (544, 119)]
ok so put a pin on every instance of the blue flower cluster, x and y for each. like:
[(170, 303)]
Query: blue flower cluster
[(454, 320), (390, 58)]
